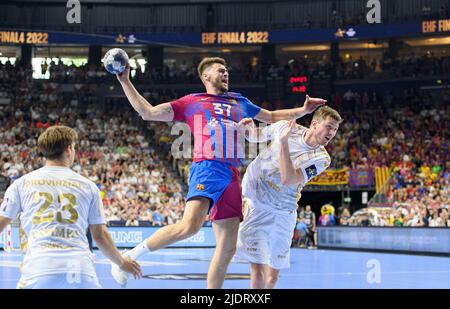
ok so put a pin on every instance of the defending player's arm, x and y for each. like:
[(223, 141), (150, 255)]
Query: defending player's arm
[(161, 112), (106, 245), (303, 171), (289, 175), (254, 134), (310, 105)]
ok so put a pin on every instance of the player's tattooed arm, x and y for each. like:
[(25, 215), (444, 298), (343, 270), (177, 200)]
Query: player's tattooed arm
[(310, 105), (161, 112), (289, 175)]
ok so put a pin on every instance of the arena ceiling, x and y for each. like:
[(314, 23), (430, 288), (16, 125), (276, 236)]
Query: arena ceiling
[(137, 2)]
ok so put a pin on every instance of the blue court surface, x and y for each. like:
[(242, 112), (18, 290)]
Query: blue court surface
[(310, 269)]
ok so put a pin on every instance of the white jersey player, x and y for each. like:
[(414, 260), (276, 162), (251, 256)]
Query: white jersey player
[(271, 188), (56, 206)]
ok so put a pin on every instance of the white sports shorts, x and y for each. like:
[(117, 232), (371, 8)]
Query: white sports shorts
[(265, 235), (60, 281)]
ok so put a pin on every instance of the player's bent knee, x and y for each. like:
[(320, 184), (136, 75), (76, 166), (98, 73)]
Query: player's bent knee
[(257, 279), (257, 269), (258, 275), (227, 253), (271, 280)]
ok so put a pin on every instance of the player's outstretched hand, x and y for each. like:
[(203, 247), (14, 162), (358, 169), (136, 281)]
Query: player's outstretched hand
[(246, 123), (247, 128), (284, 136), (131, 266), (125, 75), (311, 104)]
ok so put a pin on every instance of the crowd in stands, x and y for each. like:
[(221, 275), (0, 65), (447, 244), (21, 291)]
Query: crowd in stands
[(403, 66), (122, 159), (409, 65), (411, 214), (408, 132), (168, 74)]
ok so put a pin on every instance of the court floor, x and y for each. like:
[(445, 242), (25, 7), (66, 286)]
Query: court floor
[(310, 269)]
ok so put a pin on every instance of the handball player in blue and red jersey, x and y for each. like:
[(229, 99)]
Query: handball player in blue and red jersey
[(214, 181)]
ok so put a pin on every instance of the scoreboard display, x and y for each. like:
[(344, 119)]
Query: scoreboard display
[(298, 84)]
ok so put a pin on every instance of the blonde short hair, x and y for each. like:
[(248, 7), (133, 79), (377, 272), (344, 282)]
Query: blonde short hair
[(207, 62), (55, 140), (325, 111)]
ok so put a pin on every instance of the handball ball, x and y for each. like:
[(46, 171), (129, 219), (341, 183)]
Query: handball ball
[(115, 60)]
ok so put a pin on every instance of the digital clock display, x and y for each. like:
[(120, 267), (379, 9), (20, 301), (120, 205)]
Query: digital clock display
[(299, 84)]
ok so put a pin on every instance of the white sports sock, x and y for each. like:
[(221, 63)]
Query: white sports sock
[(137, 251)]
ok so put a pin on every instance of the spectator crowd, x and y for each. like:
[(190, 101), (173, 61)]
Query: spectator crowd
[(130, 160)]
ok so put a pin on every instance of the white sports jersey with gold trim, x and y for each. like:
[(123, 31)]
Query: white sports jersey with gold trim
[(262, 180), (56, 206)]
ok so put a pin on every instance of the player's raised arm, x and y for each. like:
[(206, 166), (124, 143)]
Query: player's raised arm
[(161, 112), (289, 175), (310, 105)]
